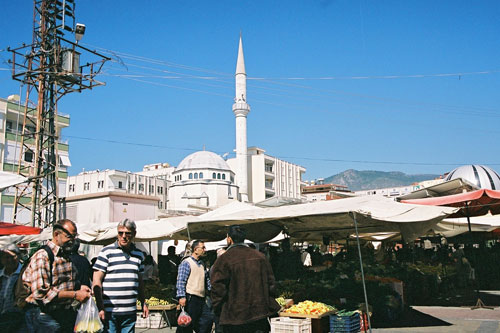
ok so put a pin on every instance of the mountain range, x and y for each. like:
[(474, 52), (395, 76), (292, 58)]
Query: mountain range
[(365, 180)]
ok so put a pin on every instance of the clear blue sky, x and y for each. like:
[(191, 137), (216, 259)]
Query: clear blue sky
[(369, 92)]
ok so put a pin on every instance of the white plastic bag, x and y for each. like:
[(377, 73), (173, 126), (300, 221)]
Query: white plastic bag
[(87, 318)]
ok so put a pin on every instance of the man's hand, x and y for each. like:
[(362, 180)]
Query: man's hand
[(83, 294), (102, 315), (182, 301), (145, 311)]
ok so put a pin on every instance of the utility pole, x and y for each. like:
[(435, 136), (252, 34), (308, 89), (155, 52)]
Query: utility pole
[(50, 68)]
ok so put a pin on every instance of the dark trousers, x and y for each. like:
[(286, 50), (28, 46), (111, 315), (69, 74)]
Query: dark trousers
[(194, 307), (12, 322), (258, 326), (65, 318)]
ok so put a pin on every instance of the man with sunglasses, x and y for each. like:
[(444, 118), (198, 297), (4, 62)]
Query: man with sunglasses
[(51, 279), (118, 281)]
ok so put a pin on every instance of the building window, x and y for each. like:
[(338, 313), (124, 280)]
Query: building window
[(151, 189), (120, 184), (100, 184), (195, 175), (223, 176), (160, 204), (8, 126), (86, 186), (201, 175), (160, 190), (72, 188), (132, 186), (141, 187), (218, 176), (214, 176), (28, 156), (190, 176)]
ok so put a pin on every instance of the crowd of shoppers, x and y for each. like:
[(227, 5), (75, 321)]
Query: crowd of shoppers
[(44, 293)]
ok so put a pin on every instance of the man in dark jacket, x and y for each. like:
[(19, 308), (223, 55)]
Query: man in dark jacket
[(242, 287)]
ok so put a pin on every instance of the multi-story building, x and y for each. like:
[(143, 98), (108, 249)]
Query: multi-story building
[(324, 192), (11, 125), (112, 195), (397, 191), (269, 176)]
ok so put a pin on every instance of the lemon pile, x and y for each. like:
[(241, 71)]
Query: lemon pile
[(309, 307)]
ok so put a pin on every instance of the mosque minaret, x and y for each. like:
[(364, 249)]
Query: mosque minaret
[(241, 109)]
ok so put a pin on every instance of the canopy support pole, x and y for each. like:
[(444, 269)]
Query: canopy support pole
[(362, 271), (479, 303), (187, 228)]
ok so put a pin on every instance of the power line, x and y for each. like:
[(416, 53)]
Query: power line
[(280, 157)]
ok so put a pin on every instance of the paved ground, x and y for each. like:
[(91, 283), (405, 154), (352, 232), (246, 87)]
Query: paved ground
[(451, 319), (434, 319)]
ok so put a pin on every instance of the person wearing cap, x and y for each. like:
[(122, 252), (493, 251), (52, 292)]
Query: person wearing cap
[(52, 291), (242, 287), (10, 316)]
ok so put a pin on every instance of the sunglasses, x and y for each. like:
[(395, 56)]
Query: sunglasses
[(124, 233), (66, 232)]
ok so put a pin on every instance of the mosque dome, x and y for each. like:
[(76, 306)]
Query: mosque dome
[(479, 175), (203, 160)]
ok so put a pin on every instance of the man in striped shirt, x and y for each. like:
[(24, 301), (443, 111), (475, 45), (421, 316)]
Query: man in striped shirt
[(118, 281)]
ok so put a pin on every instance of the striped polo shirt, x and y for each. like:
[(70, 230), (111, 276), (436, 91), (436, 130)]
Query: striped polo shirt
[(121, 281)]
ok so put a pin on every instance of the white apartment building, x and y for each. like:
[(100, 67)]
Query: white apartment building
[(397, 191), (269, 176), (112, 195), (11, 124)]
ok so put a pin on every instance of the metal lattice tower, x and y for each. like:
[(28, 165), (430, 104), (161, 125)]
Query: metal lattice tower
[(50, 68)]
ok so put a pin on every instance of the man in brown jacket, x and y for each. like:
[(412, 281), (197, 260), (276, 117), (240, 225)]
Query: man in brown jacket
[(242, 287)]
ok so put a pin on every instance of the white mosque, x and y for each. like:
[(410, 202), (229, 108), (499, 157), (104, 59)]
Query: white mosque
[(204, 180), (201, 182)]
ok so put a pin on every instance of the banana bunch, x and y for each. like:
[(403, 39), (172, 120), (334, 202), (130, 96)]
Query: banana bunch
[(281, 301), (153, 301)]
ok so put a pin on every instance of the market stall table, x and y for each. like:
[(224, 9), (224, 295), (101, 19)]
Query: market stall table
[(320, 323), (162, 309)]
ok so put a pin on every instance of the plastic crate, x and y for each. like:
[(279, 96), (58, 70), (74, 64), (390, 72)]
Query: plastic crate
[(344, 324), (154, 320), (290, 325)]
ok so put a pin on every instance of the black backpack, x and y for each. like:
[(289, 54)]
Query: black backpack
[(21, 290)]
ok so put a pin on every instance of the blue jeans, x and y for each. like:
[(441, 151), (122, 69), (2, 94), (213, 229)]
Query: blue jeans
[(116, 323), (39, 322)]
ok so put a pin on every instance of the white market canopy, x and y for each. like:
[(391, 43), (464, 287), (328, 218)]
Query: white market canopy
[(313, 221), (8, 179), (309, 221)]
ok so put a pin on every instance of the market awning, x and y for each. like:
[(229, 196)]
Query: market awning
[(8, 179), (454, 186), (334, 219), (475, 203), (7, 229)]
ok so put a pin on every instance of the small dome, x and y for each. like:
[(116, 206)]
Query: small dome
[(203, 160), (479, 175)]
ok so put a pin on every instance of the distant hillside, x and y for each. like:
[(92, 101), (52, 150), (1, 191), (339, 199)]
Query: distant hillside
[(364, 180)]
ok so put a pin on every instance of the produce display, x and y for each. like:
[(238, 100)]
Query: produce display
[(309, 308), (153, 301), (91, 326), (281, 301)]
